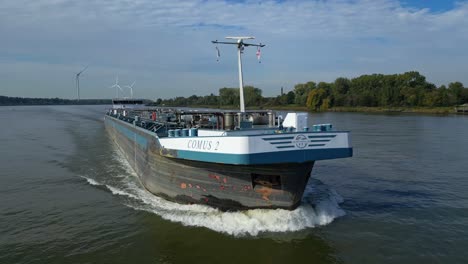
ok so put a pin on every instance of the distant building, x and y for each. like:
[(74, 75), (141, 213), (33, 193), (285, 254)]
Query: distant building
[(462, 108)]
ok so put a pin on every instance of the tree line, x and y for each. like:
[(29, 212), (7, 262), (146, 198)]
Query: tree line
[(409, 89), (5, 100), (227, 97)]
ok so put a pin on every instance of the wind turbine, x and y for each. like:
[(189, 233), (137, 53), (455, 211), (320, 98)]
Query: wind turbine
[(77, 81), (240, 48), (117, 87), (131, 89)]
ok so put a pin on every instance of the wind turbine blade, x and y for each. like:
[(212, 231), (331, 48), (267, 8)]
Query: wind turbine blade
[(84, 69)]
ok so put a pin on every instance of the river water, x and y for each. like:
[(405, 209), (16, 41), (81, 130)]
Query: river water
[(68, 196)]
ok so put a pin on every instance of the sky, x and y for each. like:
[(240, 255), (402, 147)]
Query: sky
[(165, 46)]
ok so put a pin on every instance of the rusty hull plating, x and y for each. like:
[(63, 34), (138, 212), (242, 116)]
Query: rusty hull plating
[(224, 186)]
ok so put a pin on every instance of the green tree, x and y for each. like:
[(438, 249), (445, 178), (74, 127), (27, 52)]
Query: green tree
[(316, 98), (290, 97), (464, 96), (340, 91), (301, 92), (456, 89), (229, 96), (252, 96)]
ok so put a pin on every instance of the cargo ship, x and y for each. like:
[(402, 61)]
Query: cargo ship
[(230, 160)]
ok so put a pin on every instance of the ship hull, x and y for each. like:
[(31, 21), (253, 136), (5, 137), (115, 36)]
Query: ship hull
[(224, 186)]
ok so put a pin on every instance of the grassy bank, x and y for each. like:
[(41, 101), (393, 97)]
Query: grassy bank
[(423, 110), (360, 109)]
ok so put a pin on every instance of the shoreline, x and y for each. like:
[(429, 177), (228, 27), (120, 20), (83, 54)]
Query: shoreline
[(361, 109), (417, 110), (343, 109)]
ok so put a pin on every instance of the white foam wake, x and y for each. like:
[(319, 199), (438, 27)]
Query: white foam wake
[(324, 209), (320, 206), (91, 181)]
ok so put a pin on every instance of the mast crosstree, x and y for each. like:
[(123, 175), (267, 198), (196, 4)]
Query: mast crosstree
[(240, 47)]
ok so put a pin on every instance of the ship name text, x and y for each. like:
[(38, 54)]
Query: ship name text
[(202, 144)]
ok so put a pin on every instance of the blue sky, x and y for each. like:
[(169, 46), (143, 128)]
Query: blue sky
[(433, 5), (164, 46)]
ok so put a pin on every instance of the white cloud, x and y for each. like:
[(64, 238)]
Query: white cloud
[(166, 43)]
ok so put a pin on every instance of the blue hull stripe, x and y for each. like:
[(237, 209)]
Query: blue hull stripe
[(140, 140), (325, 136), (286, 156), (277, 138), (281, 142), (281, 147), (290, 156)]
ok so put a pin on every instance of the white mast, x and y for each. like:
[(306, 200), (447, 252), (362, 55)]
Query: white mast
[(240, 47)]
